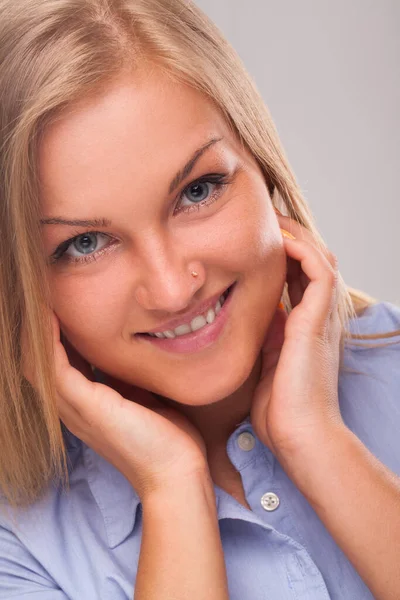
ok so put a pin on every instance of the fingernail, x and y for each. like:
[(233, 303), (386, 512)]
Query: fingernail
[(287, 234)]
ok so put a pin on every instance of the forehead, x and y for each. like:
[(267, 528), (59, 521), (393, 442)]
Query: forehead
[(140, 121)]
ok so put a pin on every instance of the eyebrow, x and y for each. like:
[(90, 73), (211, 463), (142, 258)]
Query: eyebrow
[(177, 180)]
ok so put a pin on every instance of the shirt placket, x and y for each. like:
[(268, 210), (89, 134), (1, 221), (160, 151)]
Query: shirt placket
[(264, 494)]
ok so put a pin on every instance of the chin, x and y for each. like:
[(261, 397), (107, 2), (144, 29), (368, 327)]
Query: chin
[(205, 389)]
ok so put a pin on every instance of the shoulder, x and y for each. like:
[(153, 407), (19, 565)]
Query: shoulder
[(377, 357), (379, 318), (42, 543), (369, 383), (72, 531)]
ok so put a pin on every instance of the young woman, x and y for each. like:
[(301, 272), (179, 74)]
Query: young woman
[(185, 410)]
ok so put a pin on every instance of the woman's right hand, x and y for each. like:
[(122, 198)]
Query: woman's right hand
[(152, 445)]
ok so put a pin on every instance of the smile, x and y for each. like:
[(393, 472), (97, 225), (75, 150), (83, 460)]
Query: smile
[(197, 323), (202, 331)]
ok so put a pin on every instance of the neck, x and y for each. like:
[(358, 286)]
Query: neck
[(217, 421)]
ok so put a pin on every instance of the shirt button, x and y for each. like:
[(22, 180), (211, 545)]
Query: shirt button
[(270, 501), (246, 441)]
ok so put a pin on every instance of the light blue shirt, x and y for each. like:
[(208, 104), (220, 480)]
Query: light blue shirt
[(86, 545)]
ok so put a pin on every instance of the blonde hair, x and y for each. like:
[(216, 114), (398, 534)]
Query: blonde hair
[(51, 55)]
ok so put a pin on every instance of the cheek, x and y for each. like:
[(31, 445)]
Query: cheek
[(90, 309), (245, 236), (254, 243)]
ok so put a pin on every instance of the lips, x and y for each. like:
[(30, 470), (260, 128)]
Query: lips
[(198, 340), (187, 319)]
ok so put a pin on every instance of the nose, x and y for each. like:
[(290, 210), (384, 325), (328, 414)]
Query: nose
[(165, 282)]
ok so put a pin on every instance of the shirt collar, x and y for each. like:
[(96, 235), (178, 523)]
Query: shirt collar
[(116, 498), (114, 495)]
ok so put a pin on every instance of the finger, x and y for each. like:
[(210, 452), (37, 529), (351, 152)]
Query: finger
[(273, 341), (302, 233), (66, 413), (76, 360), (82, 400), (318, 298), (271, 352), (296, 280), (73, 387)]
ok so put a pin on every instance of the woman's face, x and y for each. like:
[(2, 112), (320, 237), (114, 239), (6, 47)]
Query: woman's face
[(116, 158)]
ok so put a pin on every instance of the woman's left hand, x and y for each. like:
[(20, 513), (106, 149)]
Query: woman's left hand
[(296, 401)]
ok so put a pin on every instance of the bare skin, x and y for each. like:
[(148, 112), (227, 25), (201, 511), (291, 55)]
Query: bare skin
[(114, 158)]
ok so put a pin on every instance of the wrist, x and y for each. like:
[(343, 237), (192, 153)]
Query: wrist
[(299, 457), (177, 486), (196, 492)]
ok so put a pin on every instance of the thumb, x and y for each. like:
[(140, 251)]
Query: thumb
[(270, 353), (273, 341), (76, 360)]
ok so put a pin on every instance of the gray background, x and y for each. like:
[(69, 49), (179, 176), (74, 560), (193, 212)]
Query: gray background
[(329, 73)]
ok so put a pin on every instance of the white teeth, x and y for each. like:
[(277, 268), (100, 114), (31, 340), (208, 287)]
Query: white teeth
[(197, 323), (169, 334), (182, 329), (210, 315)]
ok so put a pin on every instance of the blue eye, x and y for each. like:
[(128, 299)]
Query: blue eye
[(200, 191), (88, 241), (86, 244)]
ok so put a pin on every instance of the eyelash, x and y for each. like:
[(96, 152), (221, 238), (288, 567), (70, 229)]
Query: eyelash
[(220, 180)]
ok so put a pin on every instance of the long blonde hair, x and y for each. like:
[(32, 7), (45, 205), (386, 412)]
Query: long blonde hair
[(51, 55)]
